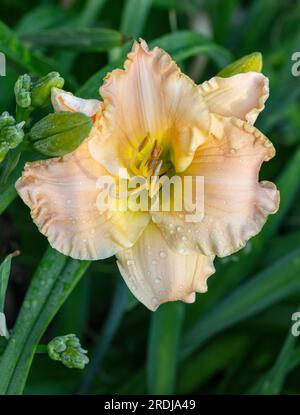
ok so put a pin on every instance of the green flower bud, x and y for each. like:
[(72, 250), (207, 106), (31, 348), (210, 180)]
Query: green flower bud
[(22, 91), (31, 95), (60, 133), (41, 90), (248, 63), (67, 349), (11, 134), (6, 119)]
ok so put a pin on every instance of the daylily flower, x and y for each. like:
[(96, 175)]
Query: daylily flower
[(154, 118)]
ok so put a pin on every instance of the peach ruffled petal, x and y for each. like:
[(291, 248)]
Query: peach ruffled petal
[(149, 98), (66, 101), (156, 274), (236, 204), (62, 196), (242, 96)]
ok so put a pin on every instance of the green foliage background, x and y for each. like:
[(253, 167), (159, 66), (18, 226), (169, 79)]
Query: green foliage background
[(233, 339)]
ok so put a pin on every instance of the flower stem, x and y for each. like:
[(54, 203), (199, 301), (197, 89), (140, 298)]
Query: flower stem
[(52, 283)]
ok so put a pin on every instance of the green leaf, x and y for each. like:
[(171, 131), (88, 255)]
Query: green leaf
[(52, 283), (272, 382), (96, 40), (5, 267), (90, 12), (134, 17), (13, 48), (162, 360), (60, 133), (106, 335), (185, 44), (40, 18)]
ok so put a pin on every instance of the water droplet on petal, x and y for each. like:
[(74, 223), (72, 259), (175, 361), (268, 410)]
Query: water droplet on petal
[(154, 301)]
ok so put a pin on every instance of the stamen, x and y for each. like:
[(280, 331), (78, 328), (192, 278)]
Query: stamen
[(143, 143)]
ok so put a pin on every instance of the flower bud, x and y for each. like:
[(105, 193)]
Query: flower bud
[(30, 94), (60, 133), (67, 349), (11, 134), (6, 119), (41, 89), (22, 91), (248, 63)]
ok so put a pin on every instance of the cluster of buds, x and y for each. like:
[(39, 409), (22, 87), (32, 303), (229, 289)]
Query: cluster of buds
[(31, 95), (11, 134), (67, 349)]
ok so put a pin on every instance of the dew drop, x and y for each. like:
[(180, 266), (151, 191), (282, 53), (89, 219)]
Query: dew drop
[(154, 301)]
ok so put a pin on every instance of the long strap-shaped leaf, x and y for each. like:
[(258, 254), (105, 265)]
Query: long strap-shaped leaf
[(14, 49), (52, 283), (165, 330)]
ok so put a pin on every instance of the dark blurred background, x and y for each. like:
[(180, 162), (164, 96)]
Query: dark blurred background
[(232, 340)]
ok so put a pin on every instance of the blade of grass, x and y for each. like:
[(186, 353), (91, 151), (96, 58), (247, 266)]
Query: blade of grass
[(162, 360)]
